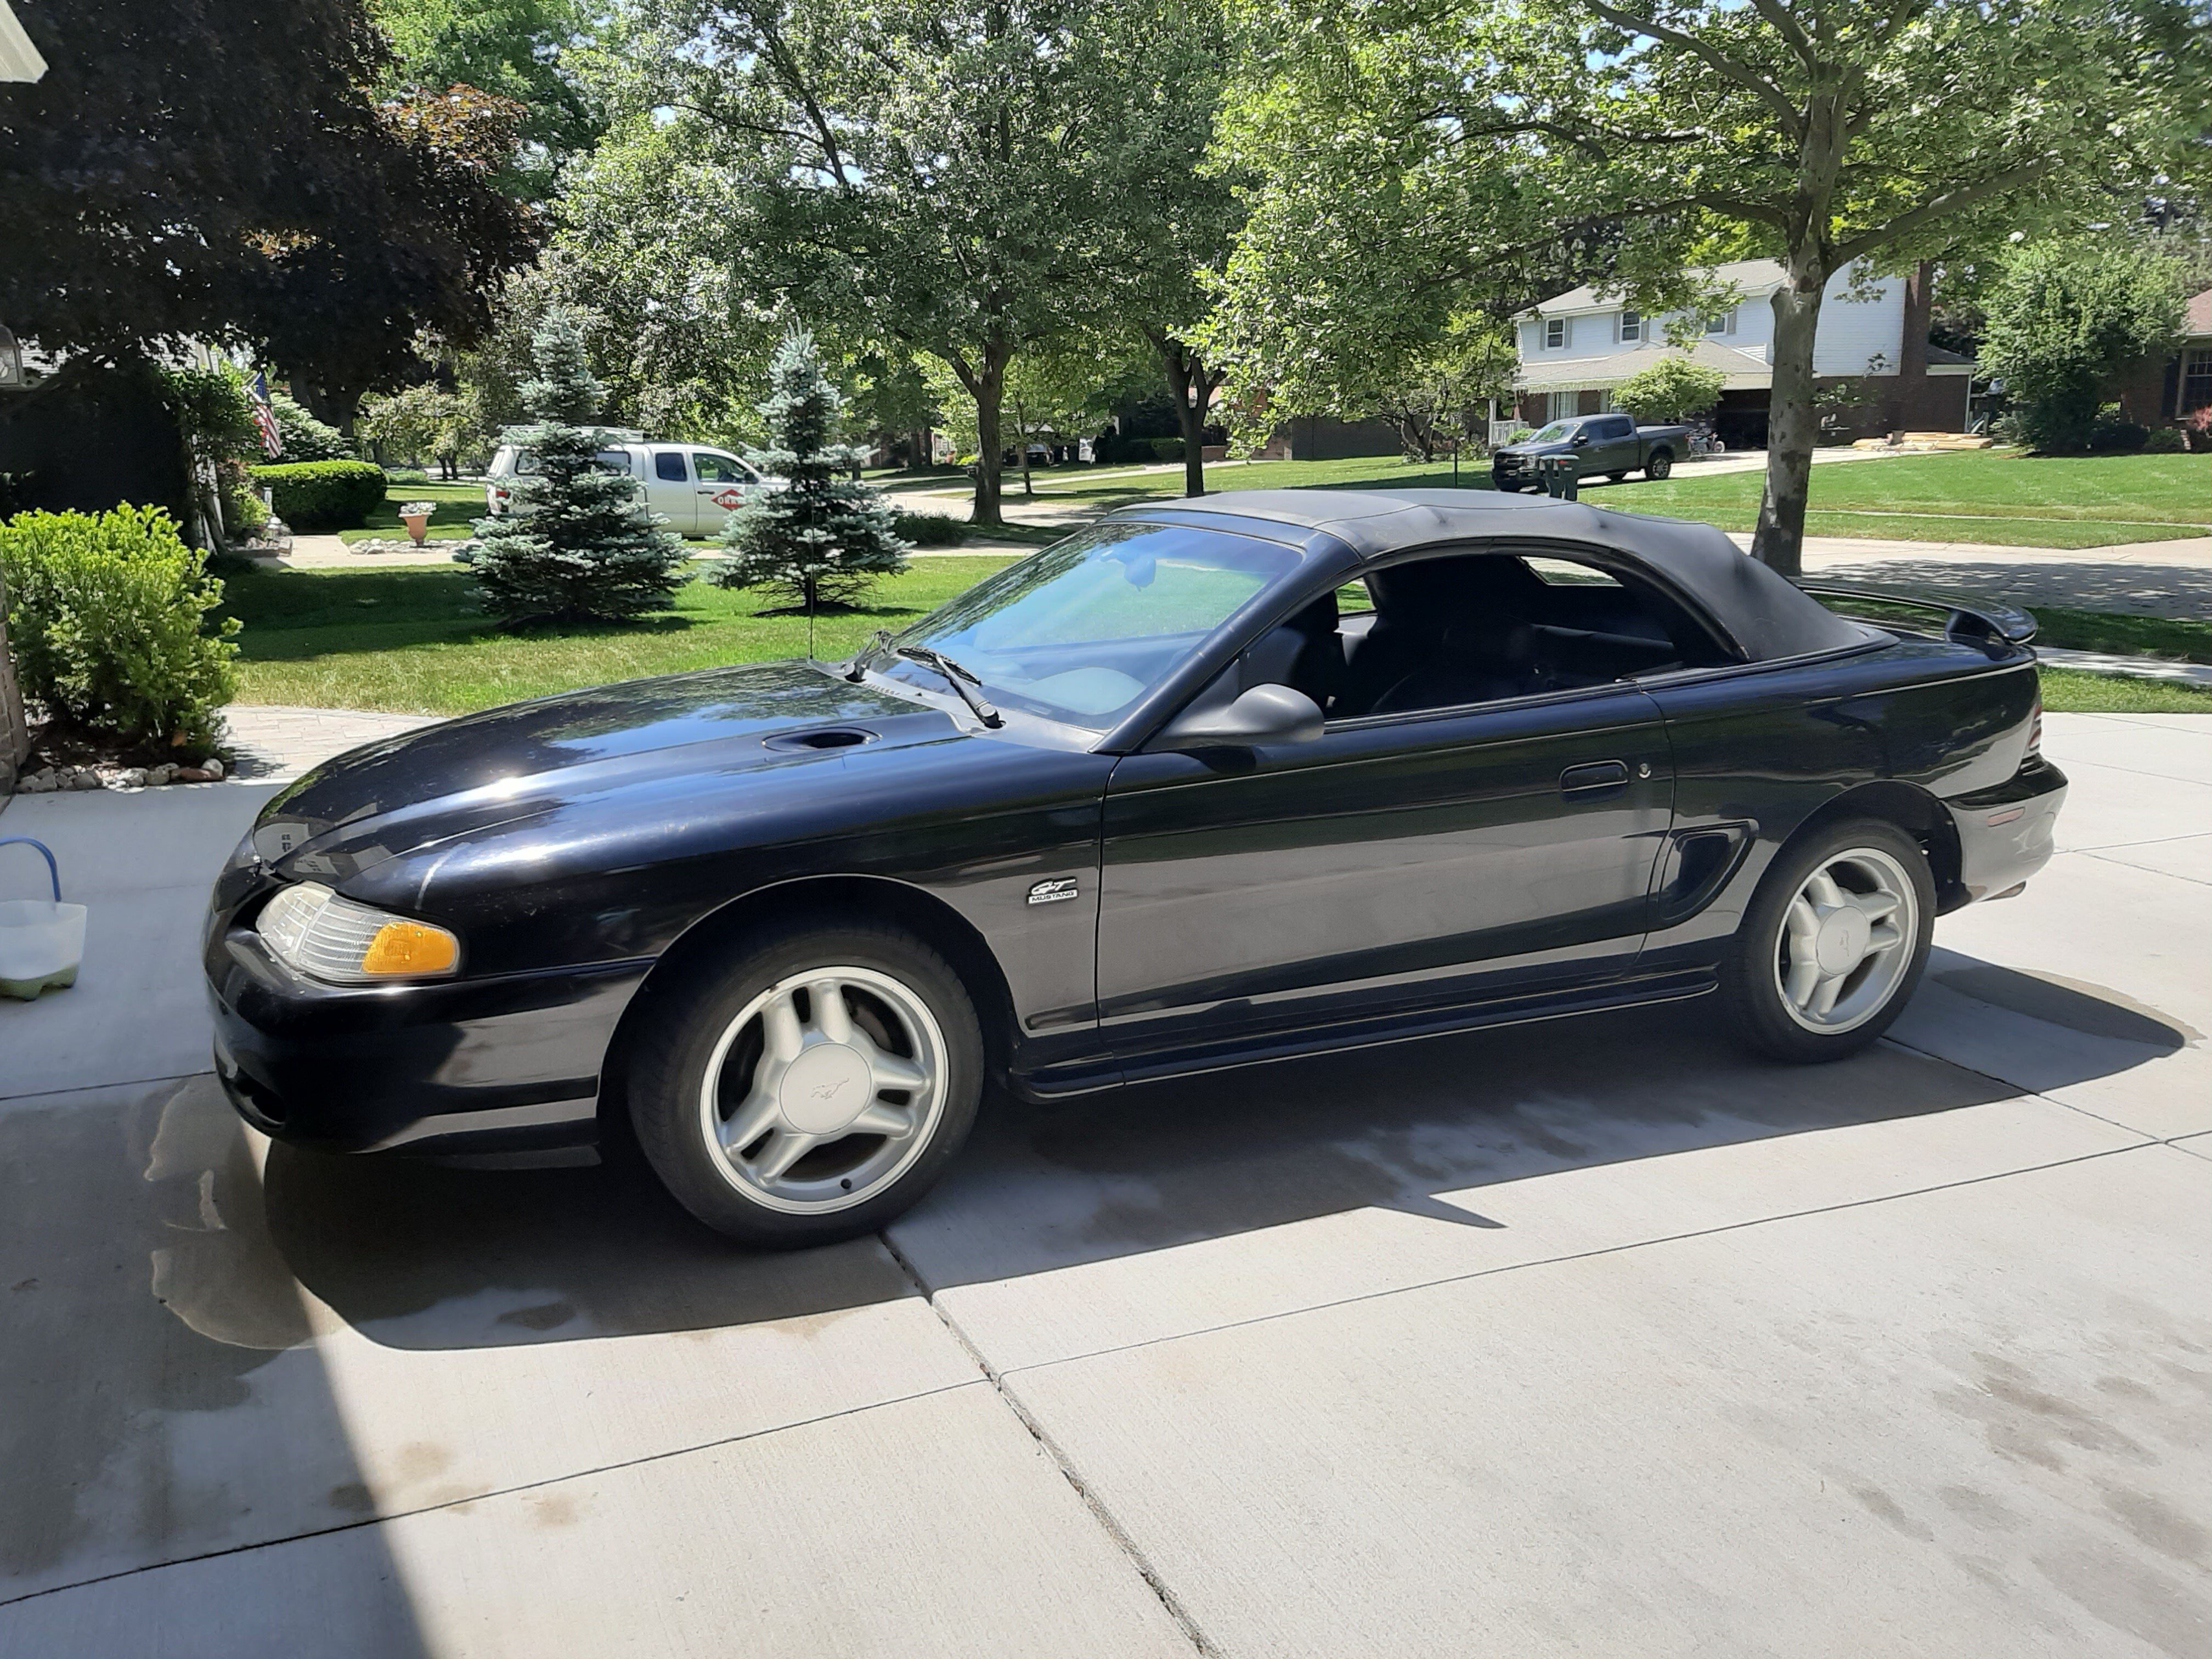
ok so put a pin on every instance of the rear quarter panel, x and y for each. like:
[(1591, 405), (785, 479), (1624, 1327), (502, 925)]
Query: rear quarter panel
[(1758, 752)]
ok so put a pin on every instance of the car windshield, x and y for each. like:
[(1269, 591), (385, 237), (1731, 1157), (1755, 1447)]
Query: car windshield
[(1558, 433), (1079, 631)]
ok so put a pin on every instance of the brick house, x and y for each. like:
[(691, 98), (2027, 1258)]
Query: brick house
[(2162, 391), (1577, 346)]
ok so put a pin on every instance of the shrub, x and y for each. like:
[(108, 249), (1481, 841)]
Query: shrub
[(1674, 386), (104, 613), (2164, 441), (1167, 449), (406, 475), (304, 437), (824, 539), (2114, 432), (2063, 318), (930, 529), (324, 494)]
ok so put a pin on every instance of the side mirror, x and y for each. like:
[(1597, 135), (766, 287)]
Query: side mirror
[(1266, 714), (1579, 439)]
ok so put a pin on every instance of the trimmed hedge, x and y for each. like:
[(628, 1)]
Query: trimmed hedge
[(108, 616), (324, 494), (932, 529)]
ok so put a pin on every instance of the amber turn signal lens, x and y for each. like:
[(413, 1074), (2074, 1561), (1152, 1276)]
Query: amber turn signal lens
[(411, 947)]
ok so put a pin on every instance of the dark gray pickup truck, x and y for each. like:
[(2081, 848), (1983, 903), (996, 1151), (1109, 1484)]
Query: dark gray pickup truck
[(1613, 445)]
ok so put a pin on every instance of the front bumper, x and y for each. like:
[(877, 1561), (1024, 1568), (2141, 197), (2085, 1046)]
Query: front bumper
[(508, 1063), (2005, 834)]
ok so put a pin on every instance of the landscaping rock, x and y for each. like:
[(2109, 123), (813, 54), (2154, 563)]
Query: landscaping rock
[(131, 777), (162, 773), (84, 778), (194, 774), (213, 767)]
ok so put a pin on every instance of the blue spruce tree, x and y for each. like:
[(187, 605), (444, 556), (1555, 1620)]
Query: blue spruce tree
[(821, 540), (579, 545)]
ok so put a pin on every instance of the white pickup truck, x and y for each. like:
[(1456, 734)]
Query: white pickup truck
[(694, 485)]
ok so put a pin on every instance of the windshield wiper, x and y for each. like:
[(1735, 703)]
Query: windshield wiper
[(958, 679)]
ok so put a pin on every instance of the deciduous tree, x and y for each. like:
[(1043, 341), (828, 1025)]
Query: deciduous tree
[(1408, 146)]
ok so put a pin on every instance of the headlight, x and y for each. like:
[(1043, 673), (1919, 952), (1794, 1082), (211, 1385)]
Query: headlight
[(310, 928)]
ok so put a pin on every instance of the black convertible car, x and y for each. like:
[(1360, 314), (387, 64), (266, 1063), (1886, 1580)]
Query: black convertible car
[(1204, 785)]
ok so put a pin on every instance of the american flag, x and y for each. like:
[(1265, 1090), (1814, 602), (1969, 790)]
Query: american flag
[(264, 416)]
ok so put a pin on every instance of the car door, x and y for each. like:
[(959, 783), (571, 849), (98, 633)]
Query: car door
[(1611, 446), (1438, 856), (725, 483), (670, 490)]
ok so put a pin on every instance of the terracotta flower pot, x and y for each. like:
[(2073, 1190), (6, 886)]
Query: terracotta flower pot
[(415, 523)]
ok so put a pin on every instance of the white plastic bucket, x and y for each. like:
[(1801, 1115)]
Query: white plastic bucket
[(41, 940)]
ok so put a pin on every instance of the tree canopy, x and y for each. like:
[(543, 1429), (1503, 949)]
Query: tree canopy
[(962, 179), (1409, 151), (150, 198)]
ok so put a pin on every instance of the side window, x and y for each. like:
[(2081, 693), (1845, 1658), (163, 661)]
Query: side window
[(1555, 333), (716, 468), (1631, 326), (1476, 628), (1624, 426), (613, 460), (668, 466)]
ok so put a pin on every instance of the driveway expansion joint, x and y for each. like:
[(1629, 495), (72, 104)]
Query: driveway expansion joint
[(1112, 1529)]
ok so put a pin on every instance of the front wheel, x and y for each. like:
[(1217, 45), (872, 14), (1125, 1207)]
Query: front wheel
[(1658, 464), (1833, 944), (810, 1085)]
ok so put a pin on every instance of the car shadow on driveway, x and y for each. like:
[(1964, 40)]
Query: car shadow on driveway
[(418, 1255)]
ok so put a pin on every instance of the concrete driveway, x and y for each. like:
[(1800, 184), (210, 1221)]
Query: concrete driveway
[(1586, 1339)]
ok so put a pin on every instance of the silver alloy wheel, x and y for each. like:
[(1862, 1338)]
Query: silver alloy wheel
[(1845, 941), (824, 1090)]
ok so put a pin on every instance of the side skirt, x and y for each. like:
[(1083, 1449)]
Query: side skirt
[(1088, 1076)]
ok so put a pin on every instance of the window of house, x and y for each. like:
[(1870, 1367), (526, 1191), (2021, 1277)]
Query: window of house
[(1721, 322), (1476, 628), (1555, 333), (2195, 379), (668, 466), (1631, 326), (1565, 405)]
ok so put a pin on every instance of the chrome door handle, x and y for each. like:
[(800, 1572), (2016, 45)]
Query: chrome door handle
[(1597, 779)]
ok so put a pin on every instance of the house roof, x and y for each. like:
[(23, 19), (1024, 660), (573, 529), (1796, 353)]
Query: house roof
[(2199, 315), (1742, 370), (1755, 276)]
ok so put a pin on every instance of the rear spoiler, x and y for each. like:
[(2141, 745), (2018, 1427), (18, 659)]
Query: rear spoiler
[(1982, 620)]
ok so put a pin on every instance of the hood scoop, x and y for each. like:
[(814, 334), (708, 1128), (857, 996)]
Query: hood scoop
[(824, 736)]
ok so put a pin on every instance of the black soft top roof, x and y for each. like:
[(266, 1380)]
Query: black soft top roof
[(1769, 617)]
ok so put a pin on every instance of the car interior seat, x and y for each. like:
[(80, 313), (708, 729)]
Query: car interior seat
[(1301, 652)]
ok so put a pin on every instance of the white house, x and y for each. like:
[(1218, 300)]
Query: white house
[(1575, 347)]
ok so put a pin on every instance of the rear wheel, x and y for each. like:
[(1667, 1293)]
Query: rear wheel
[(810, 1085), (1658, 464), (1833, 944)]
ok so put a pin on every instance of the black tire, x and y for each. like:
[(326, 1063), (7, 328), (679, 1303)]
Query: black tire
[(1658, 464), (1752, 978), (1616, 477), (680, 1041)]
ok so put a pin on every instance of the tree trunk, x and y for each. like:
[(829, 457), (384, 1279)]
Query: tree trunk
[(1191, 388), (1022, 437), (989, 391), (1792, 422)]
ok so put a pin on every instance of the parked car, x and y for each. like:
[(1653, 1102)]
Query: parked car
[(694, 485), (1612, 445), (1205, 784)]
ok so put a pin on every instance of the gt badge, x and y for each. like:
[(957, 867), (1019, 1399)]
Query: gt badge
[(1051, 892)]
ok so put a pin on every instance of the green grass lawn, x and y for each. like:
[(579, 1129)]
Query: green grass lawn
[(459, 505), (2071, 691), (1993, 496), (413, 640), (1999, 496)]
